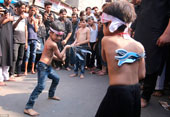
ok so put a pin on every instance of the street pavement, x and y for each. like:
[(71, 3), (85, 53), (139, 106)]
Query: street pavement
[(79, 97)]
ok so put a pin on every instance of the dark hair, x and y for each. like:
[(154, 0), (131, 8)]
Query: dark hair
[(62, 10), (30, 7), (90, 18), (94, 7), (82, 19), (74, 14), (74, 8), (81, 13), (57, 25), (104, 5), (88, 8), (47, 3), (122, 10), (19, 4)]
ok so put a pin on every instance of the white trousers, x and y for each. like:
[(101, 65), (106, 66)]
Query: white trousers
[(4, 74), (160, 80)]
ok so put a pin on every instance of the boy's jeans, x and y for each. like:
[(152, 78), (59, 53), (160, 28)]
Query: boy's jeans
[(79, 64), (32, 48), (44, 71)]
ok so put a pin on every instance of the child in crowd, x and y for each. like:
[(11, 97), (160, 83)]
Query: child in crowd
[(81, 42), (125, 60)]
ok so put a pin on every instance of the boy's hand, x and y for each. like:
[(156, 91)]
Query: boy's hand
[(68, 46), (64, 42)]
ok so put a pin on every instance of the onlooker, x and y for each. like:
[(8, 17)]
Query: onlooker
[(89, 14), (41, 37), (153, 31), (75, 23), (67, 34), (6, 41), (32, 39), (74, 10), (93, 39), (48, 16), (20, 38), (82, 40)]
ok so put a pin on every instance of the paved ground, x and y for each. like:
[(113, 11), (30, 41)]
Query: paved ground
[(79, 97)]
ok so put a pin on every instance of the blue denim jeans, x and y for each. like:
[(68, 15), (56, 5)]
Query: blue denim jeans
[(79, 64), (44, 71), (32, 48)]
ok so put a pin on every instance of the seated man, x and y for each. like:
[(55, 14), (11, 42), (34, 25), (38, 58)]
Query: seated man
[(125, 59), (44, 69)]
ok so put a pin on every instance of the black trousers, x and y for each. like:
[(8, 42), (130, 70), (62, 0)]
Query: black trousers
[(18, 50), (149, 85), (121, 101), (59, 63), (90, 59)]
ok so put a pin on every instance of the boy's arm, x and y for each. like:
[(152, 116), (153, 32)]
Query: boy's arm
[(103, 52), (142, 70), (57, 52), (76, 35)]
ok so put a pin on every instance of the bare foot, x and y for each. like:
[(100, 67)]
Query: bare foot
[(157, 93), (33, 72), (58, 68), (54, 98), (81, 76), (68, 69), (25, 73), (2, 84), (73, 75), (31, 112), (10, 80), (144, 103)]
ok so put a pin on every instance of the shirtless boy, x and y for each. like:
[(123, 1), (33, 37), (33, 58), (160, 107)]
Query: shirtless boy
[(82, 40), (126, 64), (50, 52)]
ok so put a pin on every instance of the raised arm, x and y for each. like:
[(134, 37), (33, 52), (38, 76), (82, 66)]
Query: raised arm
[(59, 54)]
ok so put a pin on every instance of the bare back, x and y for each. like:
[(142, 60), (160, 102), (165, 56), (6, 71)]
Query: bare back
[(48, 51), (127, 74)]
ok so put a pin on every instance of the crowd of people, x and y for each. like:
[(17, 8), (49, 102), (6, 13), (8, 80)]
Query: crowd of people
[(30, 37)]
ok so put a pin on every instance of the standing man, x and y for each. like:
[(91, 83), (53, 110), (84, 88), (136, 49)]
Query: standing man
[(67, 34), (6, 41), (75, 23), (153, 31), (20, 38), (32, 39), (48, 16)]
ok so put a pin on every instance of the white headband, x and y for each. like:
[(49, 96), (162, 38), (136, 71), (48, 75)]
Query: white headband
[(115, 22)]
